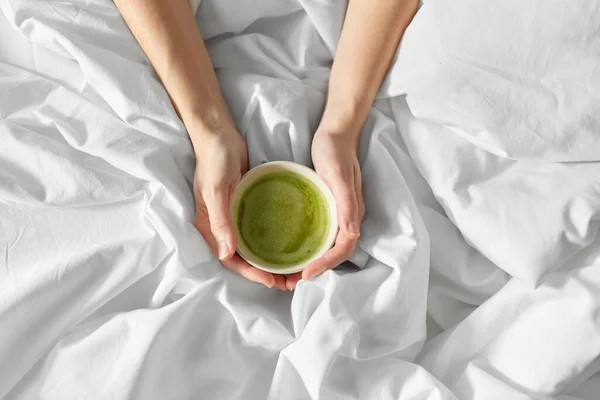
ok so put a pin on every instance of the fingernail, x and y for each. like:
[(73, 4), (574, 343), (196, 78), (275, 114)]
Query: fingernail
[(354, 229), (290, 285), (223, 249), (269, 285)]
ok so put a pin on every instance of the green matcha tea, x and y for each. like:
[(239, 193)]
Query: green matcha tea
[(283, 219)]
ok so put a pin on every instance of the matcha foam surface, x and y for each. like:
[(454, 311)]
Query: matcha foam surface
[(282, 218)]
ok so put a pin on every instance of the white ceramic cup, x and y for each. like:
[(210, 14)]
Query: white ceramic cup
[(278, 166)]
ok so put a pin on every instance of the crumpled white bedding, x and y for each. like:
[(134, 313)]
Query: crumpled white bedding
[(477, 271)]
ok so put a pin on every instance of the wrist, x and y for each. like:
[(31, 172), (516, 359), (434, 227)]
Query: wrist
[(210, 123), (344, 122), (344, 138), (345, 112)]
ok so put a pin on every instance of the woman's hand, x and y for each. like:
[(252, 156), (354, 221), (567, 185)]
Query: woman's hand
[(335, 160), (369, 38), (221, 160), (167, 32)]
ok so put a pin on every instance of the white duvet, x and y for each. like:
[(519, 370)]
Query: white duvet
[(477, 274)]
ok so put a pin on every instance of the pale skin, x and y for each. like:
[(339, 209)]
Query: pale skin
[(168, 34)]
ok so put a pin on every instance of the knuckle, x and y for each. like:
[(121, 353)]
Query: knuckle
[(214, 189), (348, 251), (218, 225), (335, 171), (219, 185), (348, 203), (340, 171), (361, 208), (201, 209)]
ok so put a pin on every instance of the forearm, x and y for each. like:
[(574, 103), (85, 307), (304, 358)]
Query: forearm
[(370, 35), (168, 34)]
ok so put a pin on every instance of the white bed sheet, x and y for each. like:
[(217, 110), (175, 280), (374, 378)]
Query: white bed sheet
[(108, 292)]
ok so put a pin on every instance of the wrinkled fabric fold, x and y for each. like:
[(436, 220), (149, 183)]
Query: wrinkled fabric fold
[(475, 273)]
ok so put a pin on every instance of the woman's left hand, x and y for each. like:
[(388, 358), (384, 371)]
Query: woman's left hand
[(335, 159)]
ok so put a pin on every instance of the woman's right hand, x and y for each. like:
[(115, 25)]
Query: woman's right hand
[(168, 33), (221, 160)]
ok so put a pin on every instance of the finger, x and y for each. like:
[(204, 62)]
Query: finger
[(358, 191), (217, 203), (238, 265), (203, 226), (293, 280), (340, 252), (280, 282), (342, 186)]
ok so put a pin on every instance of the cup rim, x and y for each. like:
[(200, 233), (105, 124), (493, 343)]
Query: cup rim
[(306, 172)]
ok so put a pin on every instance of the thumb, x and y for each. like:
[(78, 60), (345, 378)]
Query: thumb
[(221, 225), (346, 204)]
